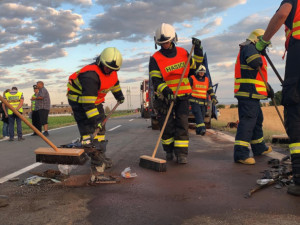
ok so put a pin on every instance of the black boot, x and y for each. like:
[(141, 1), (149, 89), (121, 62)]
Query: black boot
[(169, 156), (182, 159), (100, 153), (294, 190)]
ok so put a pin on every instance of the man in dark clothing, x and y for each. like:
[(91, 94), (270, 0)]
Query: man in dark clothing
[(166, 67), (289, 14), (5, 130), (249, 89), (201, 88), (34, 111), (42, 103), (87, 89)]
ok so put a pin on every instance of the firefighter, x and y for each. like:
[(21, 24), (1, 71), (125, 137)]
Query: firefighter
[(200, 88), (87, 89), (166, 67), (289, 14), (249, 89)]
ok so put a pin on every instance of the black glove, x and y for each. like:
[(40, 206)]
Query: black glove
[(270, 92), (121, 99), (214, 101), (168, 94), (196, 42)]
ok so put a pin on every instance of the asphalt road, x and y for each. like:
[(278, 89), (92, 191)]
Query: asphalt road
[(209, 189)]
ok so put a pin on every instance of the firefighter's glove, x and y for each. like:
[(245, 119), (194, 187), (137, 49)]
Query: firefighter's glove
[(168, 94), (196, 42), (100, 126), (121, 100), (261, 45), (271, 92), (214, 101)]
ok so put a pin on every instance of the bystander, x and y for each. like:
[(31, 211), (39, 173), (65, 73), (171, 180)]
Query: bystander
[(34, 111), (5, 133)]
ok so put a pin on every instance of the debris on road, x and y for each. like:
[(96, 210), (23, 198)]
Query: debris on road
[(104, 179), (14, 179), (280, 174), (4, 201), (126, 173), (37, 180)]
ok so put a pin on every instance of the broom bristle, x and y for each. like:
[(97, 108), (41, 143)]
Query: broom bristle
[(153, 164), (62, 159)]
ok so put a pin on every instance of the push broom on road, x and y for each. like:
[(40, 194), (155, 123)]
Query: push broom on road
[(150, 162), (53, 155)]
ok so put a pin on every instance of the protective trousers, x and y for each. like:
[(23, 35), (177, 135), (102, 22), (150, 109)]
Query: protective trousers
[(249, 130), (176, 137), (291, 102), (199, 112), (87, 128)]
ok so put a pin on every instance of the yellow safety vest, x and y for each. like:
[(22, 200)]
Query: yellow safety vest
[(14, 100)]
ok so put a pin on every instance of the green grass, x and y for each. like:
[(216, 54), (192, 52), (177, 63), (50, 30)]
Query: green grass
[(219, 125), (59, 121)]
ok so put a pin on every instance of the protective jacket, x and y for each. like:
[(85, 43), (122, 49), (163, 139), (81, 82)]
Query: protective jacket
[(89, 87), (293, 29), (14, 100), (33, 106), (248, 81), (200, 88)]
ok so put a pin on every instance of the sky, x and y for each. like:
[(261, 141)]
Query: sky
[(48, 40)]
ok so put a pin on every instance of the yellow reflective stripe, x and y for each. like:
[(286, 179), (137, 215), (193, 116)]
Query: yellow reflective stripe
[(210, 88), (196, 101), (100, 137), (200, 91), (294, 148), (237, 86), (116, 88), (181, 144), (246, 67), (297, 32), (181, 88), (261, 89), (253, 57), (296, 24), (198, 58), (257, 141), (167, 141), (249, 81), (161, 87), (87, 99), (91, 113), (155, 73), (242, 143), (258, 96), (200, 125), (243, 94), (199, 95), (76, 81), (74, 89), (212, 94), (86, 137), (176, 81), (73, 97)]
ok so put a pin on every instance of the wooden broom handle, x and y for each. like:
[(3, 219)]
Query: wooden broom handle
[(172, 104), (268, 89), (28, 123)]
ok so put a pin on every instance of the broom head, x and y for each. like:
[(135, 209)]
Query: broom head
[(68, 156), (152, 163)]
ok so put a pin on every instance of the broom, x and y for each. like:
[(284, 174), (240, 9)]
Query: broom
[(150, 162), (69, 156)]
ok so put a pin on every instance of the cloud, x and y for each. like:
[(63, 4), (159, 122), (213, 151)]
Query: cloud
[(44, 73), (209, 27)]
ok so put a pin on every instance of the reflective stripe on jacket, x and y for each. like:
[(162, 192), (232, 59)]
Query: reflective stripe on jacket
[(200, 88), (14, 100), (242, 85), (33, 103), (172, 69), (107, 83)]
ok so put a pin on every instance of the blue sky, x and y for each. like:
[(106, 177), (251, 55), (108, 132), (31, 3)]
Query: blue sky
[(50, 40)]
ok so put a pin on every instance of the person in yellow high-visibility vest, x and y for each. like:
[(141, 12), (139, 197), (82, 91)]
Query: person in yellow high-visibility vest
[(34, 111), (16, 99)]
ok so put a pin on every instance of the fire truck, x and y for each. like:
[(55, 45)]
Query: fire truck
[(144, 99)]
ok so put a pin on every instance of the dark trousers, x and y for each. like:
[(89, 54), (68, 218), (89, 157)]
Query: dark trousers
[(11, 124), (291, 102), (249, 130), (176, 135), (36, 120), (199, 112)]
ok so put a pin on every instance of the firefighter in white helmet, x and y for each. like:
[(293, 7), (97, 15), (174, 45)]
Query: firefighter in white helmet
[(166, 67), (249, 89), (87, 89), (201, 88)]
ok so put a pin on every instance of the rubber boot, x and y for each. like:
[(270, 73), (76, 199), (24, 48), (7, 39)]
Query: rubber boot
[(294, 190), (202, 132), (99, 154), (198, 130), (169, 156), (182, 159)]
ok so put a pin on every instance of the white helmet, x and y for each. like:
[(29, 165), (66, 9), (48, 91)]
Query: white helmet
[(201, 68), (111, 57), (165, 33)]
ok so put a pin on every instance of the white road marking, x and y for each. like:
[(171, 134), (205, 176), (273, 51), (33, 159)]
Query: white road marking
[(115, 127), (17, 173), (131, 120)]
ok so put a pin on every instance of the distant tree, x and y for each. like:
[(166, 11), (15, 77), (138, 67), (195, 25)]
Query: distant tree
[(277, 98), (220, 106), (107, 109), (233, 106)]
